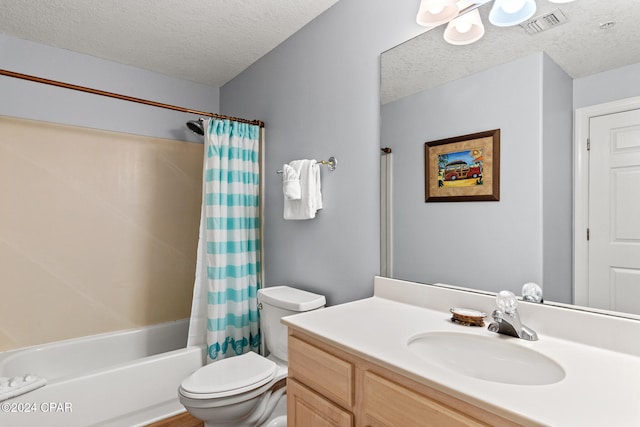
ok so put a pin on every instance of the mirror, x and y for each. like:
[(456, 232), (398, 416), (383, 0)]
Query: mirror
[(527, 85)]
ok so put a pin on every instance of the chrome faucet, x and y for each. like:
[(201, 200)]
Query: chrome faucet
[(507, 320)]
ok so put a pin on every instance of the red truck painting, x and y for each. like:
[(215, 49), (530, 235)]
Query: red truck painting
[(461, 170)]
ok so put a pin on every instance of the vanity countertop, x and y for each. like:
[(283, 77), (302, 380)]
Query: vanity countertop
[(601, 386)]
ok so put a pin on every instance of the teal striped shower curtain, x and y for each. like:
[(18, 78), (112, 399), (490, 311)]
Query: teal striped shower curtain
[(228, 267)]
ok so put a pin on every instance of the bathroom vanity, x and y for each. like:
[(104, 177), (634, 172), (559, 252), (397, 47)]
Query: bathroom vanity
[(328, 386), (383, 361)]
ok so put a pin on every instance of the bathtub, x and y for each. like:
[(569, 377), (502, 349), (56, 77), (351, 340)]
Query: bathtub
[(126, 378)]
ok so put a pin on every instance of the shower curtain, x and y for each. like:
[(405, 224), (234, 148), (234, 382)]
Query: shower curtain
[(224, 312)]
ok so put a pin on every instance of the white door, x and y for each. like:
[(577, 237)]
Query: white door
[(614, 212)]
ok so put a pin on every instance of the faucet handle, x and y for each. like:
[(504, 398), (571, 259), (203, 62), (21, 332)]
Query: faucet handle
[(507, 302), (532, 292)]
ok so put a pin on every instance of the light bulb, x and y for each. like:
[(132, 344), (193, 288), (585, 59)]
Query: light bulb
[(435, 12), (512, 6), (465, 29), (463, 26)]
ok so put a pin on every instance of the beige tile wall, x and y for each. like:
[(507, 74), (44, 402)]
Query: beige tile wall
[(98, 230)]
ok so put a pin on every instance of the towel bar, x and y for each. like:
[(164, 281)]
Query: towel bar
[(332, 163)]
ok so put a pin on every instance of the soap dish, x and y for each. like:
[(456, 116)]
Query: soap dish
[(467, 316)]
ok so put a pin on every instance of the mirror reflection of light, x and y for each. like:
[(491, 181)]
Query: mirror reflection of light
[(436, 12), (506, 13), (512, 6), (465, 29), (463, 26)]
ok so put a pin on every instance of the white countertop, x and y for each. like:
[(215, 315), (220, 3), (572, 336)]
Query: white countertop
[(601, 387)]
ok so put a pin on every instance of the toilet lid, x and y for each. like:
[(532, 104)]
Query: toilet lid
[(231, 376)]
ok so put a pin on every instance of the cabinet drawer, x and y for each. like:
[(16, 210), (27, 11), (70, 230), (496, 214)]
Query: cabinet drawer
[(327, 374), (389, 404), (305, 408)]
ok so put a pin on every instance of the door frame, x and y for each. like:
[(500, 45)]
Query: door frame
[(582, 119)]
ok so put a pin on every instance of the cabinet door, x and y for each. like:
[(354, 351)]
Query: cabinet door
[(305, 408), (323, 372), (389, 404)]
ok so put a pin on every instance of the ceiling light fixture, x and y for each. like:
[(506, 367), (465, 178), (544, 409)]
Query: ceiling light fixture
[(506, 13), (435, 12), (466, 28), (464, 25)]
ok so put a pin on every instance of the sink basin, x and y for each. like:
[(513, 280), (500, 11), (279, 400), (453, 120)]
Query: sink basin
[(487, 358)]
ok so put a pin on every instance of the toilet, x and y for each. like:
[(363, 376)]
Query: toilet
[(250, 390)]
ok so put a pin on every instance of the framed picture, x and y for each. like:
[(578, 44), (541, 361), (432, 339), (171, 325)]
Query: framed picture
[(464, 168)]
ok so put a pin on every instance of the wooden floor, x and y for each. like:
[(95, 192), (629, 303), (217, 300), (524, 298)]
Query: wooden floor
[(180, 420)]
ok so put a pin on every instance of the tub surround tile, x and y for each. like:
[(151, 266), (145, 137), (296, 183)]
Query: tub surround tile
[(98, 230)]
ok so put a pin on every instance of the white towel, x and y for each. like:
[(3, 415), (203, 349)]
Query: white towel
[(291, 180), (310, 193)]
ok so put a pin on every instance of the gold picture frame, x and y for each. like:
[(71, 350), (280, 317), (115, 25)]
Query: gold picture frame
[(464, 168)]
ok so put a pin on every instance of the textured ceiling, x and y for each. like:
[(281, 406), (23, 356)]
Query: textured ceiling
[(579, 47), (205, 41)]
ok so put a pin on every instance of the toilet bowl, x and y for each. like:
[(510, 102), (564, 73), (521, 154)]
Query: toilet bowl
[(244, 390)]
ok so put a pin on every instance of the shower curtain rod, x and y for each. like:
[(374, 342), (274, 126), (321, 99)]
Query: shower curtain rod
[(124, 97)]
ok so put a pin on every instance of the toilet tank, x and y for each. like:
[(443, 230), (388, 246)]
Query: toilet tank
[(277, 302)]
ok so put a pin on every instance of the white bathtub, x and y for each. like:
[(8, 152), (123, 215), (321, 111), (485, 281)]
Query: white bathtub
[(127, 378)]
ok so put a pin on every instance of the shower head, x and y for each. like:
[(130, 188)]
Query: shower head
[(195, 126)]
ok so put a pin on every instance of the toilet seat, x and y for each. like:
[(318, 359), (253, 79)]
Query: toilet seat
[(229, 377)]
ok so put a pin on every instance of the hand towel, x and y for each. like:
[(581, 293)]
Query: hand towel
[(310, 192), (291, 181)]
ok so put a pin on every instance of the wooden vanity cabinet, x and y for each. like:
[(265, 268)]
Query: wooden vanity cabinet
[(328, 386), (307, 408)]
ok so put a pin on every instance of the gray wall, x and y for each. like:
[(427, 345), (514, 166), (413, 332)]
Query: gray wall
[(37, 101), (557, 182), (486, 245), (608, 86), (318, 93)]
